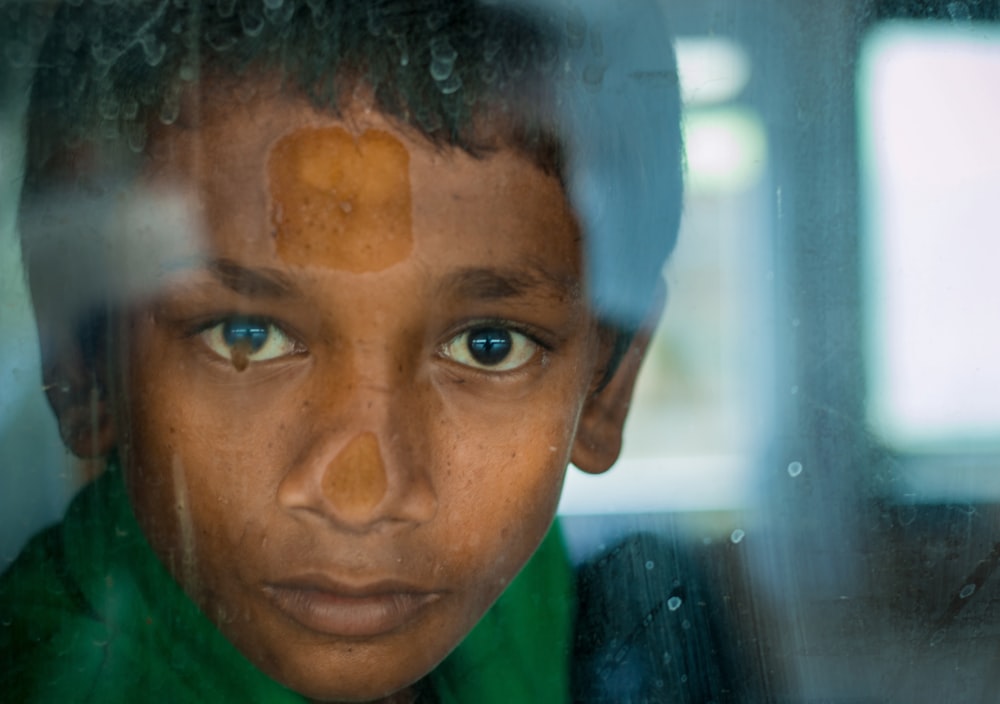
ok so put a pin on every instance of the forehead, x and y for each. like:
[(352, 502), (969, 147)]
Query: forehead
[(273, 176)]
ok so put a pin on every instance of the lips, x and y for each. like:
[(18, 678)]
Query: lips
[(334, 609)]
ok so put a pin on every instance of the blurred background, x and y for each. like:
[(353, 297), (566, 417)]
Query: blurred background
[(817, 429)]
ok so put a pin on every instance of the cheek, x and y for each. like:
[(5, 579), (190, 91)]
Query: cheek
[(194, 465), (506, 477)]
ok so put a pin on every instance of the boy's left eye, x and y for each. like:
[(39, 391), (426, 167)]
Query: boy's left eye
[(242, 340), (491, 348)]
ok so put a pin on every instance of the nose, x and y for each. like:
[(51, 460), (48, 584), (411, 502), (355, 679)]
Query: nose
[(355, 481), (360, 468)]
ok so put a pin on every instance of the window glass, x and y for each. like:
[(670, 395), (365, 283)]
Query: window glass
[(307, 305)]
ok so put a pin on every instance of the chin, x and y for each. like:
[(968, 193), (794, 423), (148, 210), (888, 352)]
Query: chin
[(345, 670)]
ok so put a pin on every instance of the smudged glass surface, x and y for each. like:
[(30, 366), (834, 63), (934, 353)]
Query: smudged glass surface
[(806, 504)]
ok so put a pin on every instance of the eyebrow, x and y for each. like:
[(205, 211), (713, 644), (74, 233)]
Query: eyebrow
[(490, 284), (253, 282)]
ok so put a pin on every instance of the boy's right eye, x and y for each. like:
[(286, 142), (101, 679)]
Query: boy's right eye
[(243, 339)]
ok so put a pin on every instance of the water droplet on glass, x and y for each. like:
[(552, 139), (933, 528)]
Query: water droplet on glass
[(491, 47), (546, 57), (674, 603), (320, 17), (737, 535), (450, 85), (967, 591), (488, 72), (596, 41), (441, 70), (959, 12), (593, 75), (103, 54), (252, 23), (576, 28), (280, 13), (220, 40), (153, 49), (109, 129), (376, 22), (130, 108), (74, 37), (429, 120), (906, 514), (169, 111), (475, 28), (649, 564), (225, 7), (18, 54), (442, 49), (404, 52), (443, 57), (136, 136), (684, 678), (435, 20), (108, 107), (516, 60), (794, 469)]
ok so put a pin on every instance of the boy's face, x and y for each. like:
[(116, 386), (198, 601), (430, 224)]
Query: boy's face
[(348, 413)]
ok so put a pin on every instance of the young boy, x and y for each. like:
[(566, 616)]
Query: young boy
[(338, 291)]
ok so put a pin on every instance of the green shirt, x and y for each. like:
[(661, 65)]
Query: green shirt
[(89, 614)]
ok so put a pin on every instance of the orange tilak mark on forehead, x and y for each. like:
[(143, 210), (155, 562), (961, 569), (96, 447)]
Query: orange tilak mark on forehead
[(355, 480), (341, 201)]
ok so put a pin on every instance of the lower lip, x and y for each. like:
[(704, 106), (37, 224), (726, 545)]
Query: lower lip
[(349, 616)]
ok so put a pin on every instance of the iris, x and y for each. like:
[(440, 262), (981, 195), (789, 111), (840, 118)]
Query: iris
[(245, 332), (489, 346)]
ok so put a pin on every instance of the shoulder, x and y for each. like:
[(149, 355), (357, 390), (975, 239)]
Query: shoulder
[(650, 625), (88, 614), (43, 617)]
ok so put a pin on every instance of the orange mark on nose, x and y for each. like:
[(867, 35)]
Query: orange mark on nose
[(355, 480), (341, 201)]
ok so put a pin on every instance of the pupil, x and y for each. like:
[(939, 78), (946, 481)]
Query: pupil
[(245, 332), (489, 345)]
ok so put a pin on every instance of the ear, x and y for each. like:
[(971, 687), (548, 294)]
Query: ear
[(76, 390), (599, 433)]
